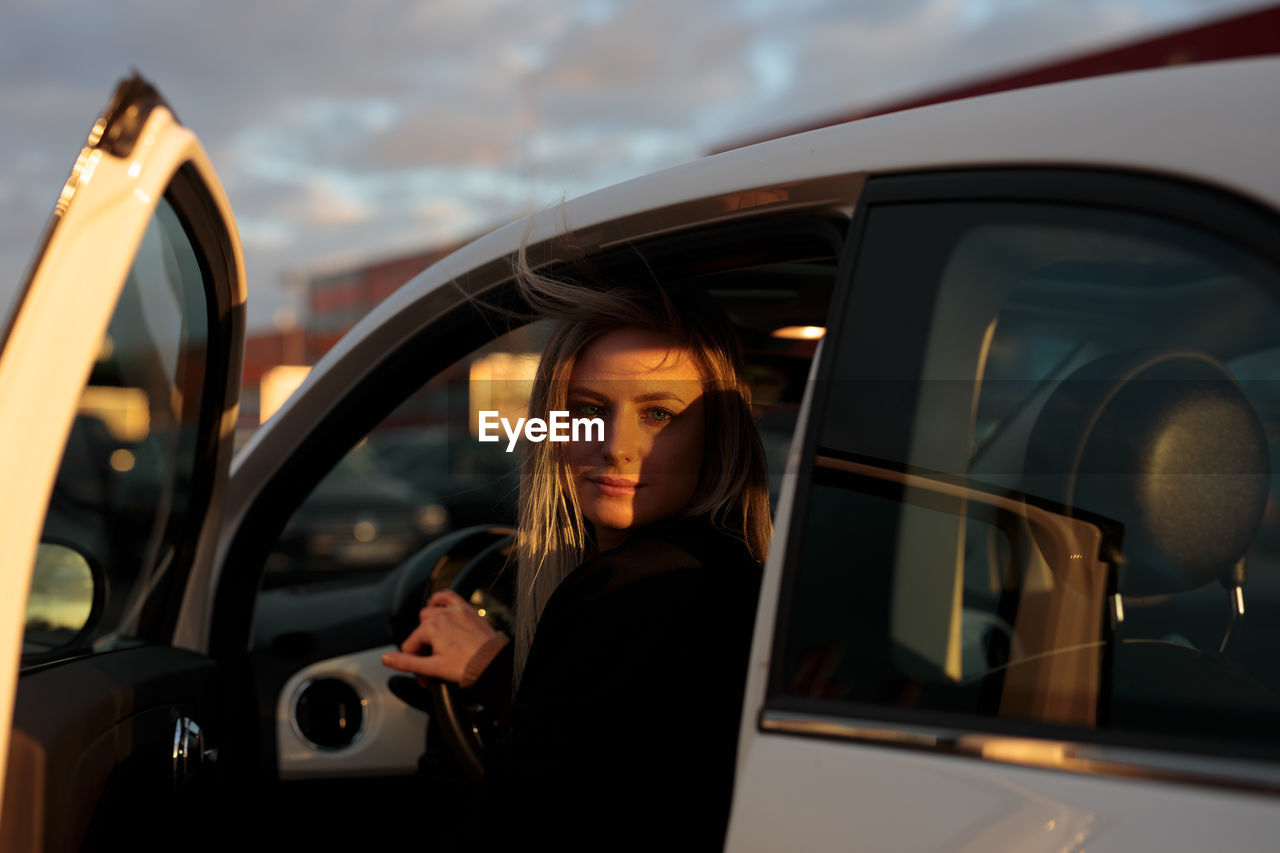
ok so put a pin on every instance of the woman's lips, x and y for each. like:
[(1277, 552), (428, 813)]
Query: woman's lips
[(615, 487)]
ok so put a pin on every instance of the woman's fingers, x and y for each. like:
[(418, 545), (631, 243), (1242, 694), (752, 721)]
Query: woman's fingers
[(414, 641), (413, 644), (451, 629), (420, 638), (427, 666), (445, 598)]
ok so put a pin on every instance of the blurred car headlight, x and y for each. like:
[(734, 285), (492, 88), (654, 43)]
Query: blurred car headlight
[(432, 518), (365, 530)]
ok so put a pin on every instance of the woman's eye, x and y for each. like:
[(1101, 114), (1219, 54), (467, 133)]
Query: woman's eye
[(587, 410), (660, 416)]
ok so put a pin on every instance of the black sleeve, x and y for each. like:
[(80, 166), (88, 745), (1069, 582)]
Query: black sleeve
[(493, 688)]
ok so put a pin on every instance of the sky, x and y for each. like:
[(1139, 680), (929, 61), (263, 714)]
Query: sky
[(352, 131)]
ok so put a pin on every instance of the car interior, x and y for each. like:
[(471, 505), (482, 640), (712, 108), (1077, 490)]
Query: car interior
[(1144, 388)]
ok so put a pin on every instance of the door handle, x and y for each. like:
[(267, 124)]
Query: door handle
[(189, 750)]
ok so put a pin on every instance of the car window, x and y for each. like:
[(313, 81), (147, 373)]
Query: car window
[(124, 492), (422, 472), (1041, 496), (418, 474)]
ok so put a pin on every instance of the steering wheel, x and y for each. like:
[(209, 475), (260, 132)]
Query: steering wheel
[(470, 562)]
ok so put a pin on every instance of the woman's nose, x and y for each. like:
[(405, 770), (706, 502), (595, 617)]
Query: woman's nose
[(621, 441)]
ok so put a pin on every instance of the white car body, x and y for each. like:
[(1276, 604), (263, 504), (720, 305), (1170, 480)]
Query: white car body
[(876, 786)]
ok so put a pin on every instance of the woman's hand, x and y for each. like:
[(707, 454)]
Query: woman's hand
[(452, 630)]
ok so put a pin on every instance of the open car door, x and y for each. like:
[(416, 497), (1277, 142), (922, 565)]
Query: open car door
[(119, 380)]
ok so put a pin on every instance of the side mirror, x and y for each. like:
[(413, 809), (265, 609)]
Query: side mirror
[(66, 593)]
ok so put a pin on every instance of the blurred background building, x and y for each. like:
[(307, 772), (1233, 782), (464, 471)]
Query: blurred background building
[(276, 360)]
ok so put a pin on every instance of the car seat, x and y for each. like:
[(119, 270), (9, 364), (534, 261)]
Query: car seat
[(1165, 444)]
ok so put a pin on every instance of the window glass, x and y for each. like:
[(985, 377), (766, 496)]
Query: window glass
[(1047, 498), (124, 489), (417, 475)]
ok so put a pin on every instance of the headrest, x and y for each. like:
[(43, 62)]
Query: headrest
[(1165, 443)]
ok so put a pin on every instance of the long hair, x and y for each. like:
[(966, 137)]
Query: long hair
[(732, 491)]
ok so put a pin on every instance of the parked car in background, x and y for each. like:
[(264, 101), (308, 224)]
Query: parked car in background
[(1016, 361), (482, 479), (360, 520)]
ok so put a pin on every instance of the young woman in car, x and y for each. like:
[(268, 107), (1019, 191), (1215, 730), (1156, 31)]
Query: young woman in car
[(638, 570)]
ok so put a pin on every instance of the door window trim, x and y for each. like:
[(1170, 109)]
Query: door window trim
[(198, 214), (198, 217), (1046, 753)]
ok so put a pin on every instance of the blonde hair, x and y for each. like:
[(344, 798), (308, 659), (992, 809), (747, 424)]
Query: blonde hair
[(551, 533)]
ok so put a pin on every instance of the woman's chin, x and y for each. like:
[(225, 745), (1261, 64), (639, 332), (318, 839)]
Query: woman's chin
[(614, 518)]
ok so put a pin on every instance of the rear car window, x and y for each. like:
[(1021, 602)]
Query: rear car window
[(1045, 500)]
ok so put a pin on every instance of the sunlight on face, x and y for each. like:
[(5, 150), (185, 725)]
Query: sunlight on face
[(648, 391)]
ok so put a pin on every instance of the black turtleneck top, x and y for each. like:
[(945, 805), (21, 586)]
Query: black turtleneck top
[(623, 732)]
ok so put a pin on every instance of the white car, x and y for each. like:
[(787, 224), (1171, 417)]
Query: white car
[(1024, 592)]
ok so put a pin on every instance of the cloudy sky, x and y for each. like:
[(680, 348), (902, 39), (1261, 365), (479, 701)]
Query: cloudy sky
[(346, 131)]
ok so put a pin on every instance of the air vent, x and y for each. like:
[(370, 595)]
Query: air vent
[(329, 713)]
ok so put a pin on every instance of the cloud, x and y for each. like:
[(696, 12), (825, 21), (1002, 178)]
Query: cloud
[(258, 234)]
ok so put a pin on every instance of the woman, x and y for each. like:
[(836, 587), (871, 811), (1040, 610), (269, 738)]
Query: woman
[(638, 570)]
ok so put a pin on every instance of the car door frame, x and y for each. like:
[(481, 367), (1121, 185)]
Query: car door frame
[(136, 154), (392, 375), (599, 221)]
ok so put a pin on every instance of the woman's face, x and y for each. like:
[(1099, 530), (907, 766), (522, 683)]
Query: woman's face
[(648, 391)]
